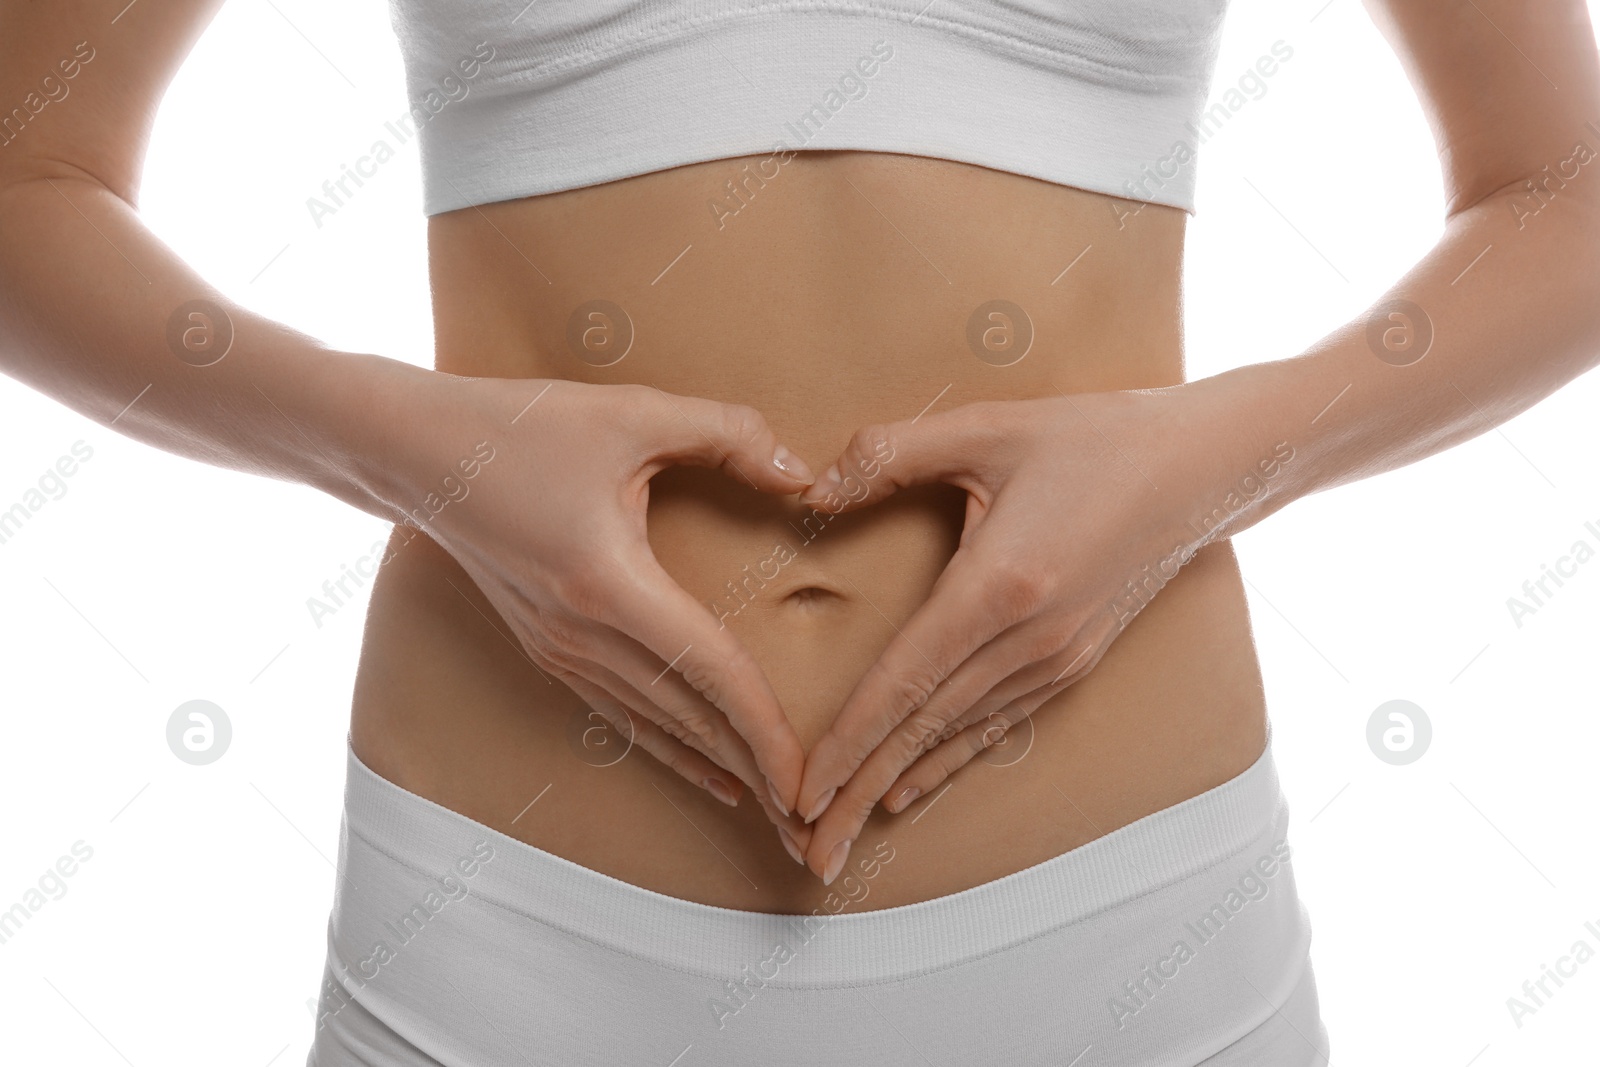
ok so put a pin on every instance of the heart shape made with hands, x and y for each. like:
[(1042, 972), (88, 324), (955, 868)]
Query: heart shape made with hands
[(760, 562), (1055, 506), (819, 555)]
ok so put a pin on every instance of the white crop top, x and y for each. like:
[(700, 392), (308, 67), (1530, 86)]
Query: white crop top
[(512, 100)]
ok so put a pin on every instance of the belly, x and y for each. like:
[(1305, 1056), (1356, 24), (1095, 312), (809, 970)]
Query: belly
[(837, 289)]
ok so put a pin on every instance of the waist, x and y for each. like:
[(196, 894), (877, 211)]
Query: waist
[(858, 288), (854, 288), (857, 285)]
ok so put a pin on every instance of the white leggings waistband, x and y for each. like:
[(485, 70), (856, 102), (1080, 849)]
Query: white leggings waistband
[(1176, 940), (866, 947)]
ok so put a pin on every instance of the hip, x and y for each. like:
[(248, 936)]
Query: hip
[(1127, 950)]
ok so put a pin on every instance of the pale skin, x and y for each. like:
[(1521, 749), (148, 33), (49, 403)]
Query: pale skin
[(1057, 517)]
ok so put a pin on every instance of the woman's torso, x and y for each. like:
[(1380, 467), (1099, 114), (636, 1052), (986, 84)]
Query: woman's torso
[(835, 289)]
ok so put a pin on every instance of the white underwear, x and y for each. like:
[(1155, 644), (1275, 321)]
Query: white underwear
[(1175, 941)]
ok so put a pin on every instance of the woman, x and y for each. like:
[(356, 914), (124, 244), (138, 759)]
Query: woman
[(956, 609)]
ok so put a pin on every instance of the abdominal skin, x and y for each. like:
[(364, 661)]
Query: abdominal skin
[(850, 289)]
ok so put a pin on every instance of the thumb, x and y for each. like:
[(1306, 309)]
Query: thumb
[(883, 458), (733, 438)]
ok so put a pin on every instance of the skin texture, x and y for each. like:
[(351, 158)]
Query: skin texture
[(826, 320), (812, 278)]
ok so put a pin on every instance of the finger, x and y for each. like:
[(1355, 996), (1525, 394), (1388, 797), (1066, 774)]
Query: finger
[(969, 605), (735, 438), (574, 650), (1021, 659), (945, 758), (793, 834), (989, 720), (659, 614), (906, 767), (635, 730), (799, 835), (634, 677), (885, 457), (836, 829)]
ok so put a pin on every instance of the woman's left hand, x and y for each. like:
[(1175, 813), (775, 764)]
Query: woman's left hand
[(1078, 510)]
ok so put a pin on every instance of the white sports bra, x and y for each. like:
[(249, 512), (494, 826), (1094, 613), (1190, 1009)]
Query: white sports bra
[(512, 100)]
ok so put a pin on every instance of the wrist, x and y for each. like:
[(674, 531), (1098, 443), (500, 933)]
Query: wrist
[(365, 405), (1257, 445)]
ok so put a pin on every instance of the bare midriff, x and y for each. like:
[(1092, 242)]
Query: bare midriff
[(836, 289)]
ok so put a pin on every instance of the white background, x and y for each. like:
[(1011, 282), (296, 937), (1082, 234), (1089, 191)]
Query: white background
[(195, 933)]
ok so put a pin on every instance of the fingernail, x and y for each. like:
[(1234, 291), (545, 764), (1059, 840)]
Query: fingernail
[(907, 795), (823, 485), (791, 464), (777, 798), (821, 805), (794, 849), (720, 790), (836, 860)]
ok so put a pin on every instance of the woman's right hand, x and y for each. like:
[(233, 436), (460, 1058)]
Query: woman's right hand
[(538, 488)]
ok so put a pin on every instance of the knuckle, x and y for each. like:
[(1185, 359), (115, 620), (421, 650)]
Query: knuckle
[(647, 396), (920, 735), (614, 715), (874, 439), (547, 648), (951, 758), (716, 677), (850, 808), (950, 730), (743, 423), (1018, 591), (700, 729), (907, 691), (560, 635), (632, 399), (625, 407), (994, 730), (676, 729)]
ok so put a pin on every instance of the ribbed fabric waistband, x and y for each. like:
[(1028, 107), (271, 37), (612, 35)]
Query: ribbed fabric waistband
[(850, 948)]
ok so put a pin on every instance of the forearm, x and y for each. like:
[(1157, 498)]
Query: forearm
[(94, 312), (1512, 301)]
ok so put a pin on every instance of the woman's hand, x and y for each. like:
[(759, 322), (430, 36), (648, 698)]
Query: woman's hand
[(538, 488), (1079, 510)]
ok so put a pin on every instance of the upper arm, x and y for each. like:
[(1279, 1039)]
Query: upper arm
[(80, 82), (1508, 85)]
